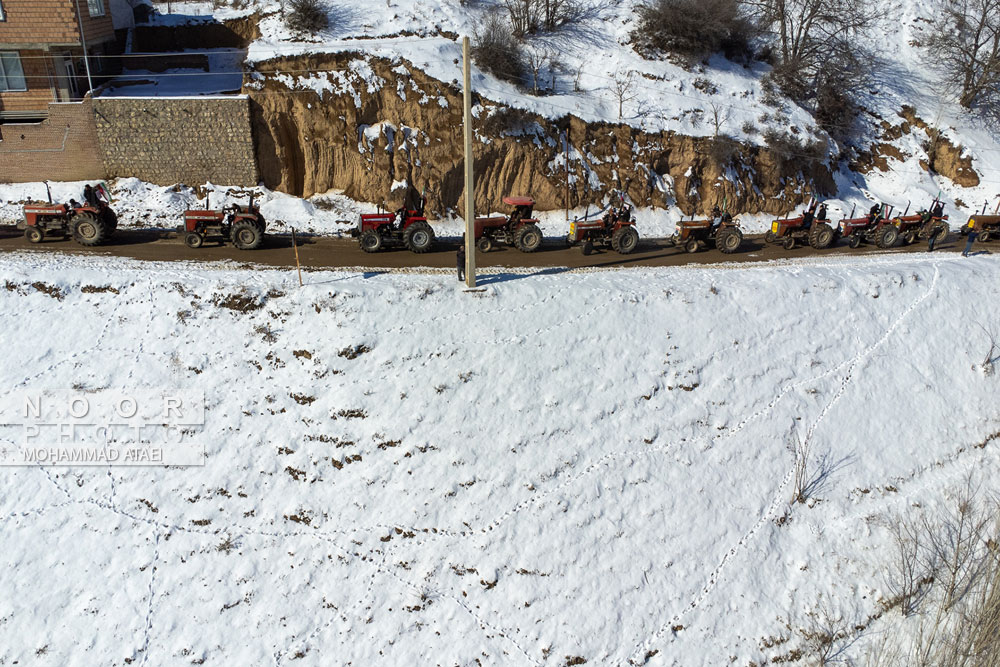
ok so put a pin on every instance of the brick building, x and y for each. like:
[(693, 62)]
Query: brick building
[(42, 44)]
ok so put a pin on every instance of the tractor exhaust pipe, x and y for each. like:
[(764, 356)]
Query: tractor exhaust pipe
[(48, 192)]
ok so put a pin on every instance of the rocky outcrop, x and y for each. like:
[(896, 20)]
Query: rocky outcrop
[(369, 126), (941, 156)]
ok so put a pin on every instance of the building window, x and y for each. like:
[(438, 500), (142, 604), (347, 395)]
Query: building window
[(96, 7), (11, 73), (3, 17)]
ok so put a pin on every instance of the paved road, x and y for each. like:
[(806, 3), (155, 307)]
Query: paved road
[(325, 252)]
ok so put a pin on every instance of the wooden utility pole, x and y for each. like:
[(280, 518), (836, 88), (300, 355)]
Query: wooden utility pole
[(295, 244), (470, 198)]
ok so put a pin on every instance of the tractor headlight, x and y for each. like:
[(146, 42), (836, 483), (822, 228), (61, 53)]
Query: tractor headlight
[(774, 227)]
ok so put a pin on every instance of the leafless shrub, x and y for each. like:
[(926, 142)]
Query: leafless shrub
[(791, 148), (505, 121), (695, 28), (992, 352), (531, 16), (800, 481), (958, 607), (496, 50), (965, 42), (306, 17)]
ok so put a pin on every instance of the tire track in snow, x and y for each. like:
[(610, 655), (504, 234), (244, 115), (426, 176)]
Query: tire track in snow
[(779, 496)]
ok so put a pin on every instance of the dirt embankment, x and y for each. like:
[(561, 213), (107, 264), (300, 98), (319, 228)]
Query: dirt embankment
[(940, 154), (365, 123)]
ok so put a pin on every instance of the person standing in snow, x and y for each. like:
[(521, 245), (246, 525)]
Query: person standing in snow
[(460, 260), (973, 234)]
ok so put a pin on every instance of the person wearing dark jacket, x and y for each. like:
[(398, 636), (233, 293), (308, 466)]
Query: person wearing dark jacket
[(973, 234), (460, 260)]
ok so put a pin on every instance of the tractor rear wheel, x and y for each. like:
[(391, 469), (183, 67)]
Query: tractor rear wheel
[(940, 233), (625, 240), (34, 234), (789, 242), (692, 245), (246, 235), (88, 229), (820, 236), (484, 244), (418, 237), (528, 238), (854, 240), (886, 237), (729, 240), (193, 240), (371, 241), (110, 219)]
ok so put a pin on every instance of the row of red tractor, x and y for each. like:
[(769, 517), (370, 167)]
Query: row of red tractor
[(93, 221)]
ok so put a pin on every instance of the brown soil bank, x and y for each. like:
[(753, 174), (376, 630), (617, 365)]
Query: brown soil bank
[(366, 123)]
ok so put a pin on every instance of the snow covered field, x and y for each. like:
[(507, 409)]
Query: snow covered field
[(565, 466)]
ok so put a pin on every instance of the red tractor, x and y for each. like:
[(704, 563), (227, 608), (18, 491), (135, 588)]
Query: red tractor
[(242, 225), (812, 227), (405, 227), (518, 229), (876, 227), (615, 230), (721, 232), (923, 225), (90, 223)]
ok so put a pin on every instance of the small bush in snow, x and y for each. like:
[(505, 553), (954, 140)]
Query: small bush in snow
[(793, 149), (306, 17), (497, 51), (695, 28), (506, 121)]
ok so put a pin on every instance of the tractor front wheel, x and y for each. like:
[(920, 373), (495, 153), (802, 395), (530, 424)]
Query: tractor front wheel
[(34, 234), (909, 237), (528, 238), (729, 240), (854, 240), (246, 235), (770, 237), (886, 237), (88, 229), (821, 236), (692, 245), (484, 244), (984, 236), (625, 240), (370, 240), (418, 237), (789, 242), (193, 240)]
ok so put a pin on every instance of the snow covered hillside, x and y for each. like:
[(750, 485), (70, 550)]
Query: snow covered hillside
[(708, 98), (564, 467)]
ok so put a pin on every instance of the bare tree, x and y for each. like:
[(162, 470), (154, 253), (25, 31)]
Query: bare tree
[(965, 41), (623, 86), (537, 60), (813, 37)]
